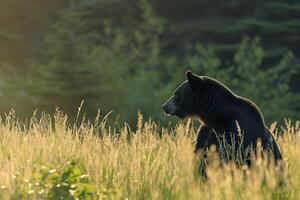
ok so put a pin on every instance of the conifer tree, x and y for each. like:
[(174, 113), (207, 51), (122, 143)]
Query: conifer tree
[(67, 78)]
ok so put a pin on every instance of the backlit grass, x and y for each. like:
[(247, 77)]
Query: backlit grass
[(50, 157)]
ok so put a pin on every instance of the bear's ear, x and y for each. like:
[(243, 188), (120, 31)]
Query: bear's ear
[(193, 80)]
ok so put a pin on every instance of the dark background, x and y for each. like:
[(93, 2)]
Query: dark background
[(129, 55)]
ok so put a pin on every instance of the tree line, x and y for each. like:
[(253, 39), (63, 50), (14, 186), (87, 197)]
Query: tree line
[(126, 56)]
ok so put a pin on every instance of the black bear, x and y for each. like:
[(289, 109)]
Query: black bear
[(225, 116)]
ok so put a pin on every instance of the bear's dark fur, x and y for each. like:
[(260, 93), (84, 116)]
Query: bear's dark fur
[(225, 116)]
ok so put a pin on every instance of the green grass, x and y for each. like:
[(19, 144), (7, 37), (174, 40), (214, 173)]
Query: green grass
[(49, 159)]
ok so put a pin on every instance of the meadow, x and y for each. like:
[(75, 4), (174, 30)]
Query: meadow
[(50, 158)]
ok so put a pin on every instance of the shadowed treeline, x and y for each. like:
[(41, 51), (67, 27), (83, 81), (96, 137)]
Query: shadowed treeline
[(126, 55)]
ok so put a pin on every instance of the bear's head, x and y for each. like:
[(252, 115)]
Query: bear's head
[(183, 103)]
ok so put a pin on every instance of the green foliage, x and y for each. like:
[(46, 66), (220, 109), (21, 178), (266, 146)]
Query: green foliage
[(123, 62), (68, 181), (67, 78), (210, 22), (13, 93), (223, 23), (110, 70), (114, 69)]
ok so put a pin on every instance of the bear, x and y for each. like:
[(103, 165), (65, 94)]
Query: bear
[(225, 118)]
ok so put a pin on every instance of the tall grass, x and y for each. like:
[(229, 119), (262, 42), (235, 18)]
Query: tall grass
[(149, 163)]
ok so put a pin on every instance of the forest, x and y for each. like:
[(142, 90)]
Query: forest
[(126, 56)]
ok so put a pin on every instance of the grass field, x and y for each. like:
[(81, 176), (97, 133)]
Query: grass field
[(49, 159)]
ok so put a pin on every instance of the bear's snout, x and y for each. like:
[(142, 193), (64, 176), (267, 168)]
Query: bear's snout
[(169, 107)]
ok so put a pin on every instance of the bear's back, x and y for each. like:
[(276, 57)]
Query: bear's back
[(236, 113), (250, 121)]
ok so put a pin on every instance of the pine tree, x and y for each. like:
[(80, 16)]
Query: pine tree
[(66, 78)]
